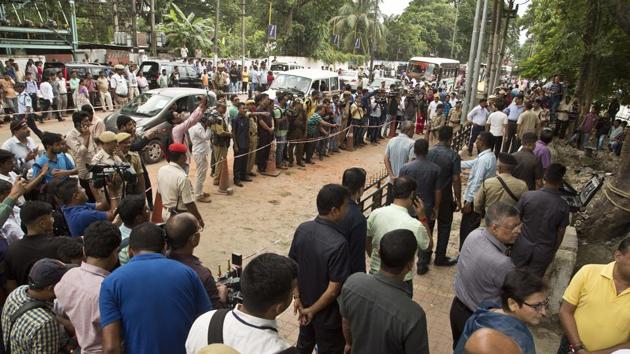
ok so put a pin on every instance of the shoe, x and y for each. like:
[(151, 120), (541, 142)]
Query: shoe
[(301, 164), (445, 262), (290, 164), (423, 269), (238, 183), (204, 199), (252, 174), (247, 180), (310, 162)]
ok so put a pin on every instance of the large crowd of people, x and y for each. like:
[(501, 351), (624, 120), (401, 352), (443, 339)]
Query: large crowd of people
[(84, 268)]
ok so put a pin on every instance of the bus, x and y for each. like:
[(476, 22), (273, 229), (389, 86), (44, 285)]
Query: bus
[(434, 70)]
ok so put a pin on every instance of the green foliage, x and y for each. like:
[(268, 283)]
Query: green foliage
[(358, 19), (559, 30), (187, 30)]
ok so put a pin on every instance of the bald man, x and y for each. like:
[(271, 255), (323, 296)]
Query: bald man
[(490, 341), (183, 233)]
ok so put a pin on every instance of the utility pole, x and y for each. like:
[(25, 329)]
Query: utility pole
[(492, 46), (454, 28), (469, 65), (115, 10), (153, 34), (511, 13), (73, 28), (216, 35), (134, 25), (479, 50), (242, 34)]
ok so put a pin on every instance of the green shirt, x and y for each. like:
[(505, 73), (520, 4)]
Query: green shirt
[(312, 126), (232, 113), (389, 218), (74, 83), (6, 208)]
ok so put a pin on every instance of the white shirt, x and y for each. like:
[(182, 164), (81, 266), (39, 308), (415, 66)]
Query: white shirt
[(11, 178), (62, 86), (478, 116), (432, 108), (119, 84), (200, 138), (46, 89), (12, 230), (142, 82), (20, 150), (25, 103), (240, 336), (497, 120)]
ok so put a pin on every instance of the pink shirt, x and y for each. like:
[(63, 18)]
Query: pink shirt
[(77, 294), (180, 130)]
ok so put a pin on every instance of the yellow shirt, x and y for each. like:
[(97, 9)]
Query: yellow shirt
[(204, 80), (602, 316), (245, 76)]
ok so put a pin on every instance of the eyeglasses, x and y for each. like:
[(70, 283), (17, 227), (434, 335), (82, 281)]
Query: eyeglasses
[(509, 228), (538, 307)]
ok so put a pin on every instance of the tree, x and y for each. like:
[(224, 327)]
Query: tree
[(187, 31), (358, 20)]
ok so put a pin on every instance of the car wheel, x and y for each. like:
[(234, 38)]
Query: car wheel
[(152, 153)]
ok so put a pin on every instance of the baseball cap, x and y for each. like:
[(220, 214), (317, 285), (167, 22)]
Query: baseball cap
[(46, 272), (17, 125), (122, 137), (107, 137)]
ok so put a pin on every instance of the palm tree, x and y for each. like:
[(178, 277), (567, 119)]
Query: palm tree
[(187, 31), (360, 19)]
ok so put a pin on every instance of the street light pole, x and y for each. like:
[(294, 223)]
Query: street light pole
[(471, 58), (454, 28), (479, 50), (153, 34), (73, 29), (242, 34), (134, 25), (216, 35)]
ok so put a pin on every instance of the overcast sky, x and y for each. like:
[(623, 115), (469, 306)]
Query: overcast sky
[(396, 7)]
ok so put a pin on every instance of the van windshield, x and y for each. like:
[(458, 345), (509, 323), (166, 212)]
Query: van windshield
[(279, 67), (146, 105), (291, 82)]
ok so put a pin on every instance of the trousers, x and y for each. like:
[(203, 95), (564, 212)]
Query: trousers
[(240, 165), (251, 158), (474, 133), (201, 166), (220, 153), (328, 340), (470, 221), (511, 143), (444, 221), (459, 314), (106, 101)]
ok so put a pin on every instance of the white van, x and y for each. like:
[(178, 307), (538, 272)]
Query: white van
[(279, 67), (302, 82)]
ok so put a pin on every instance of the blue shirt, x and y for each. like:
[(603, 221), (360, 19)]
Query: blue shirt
[(79, 217), (513, 111), (481, 168), (62, 163), (156, 300), (506, 324)]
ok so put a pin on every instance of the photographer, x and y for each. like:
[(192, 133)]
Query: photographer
[(82, 148), (78, 212), (267, 283), (135, 184), (182, 235)]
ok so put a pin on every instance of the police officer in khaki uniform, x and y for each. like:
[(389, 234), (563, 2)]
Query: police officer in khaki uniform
[(220, 139)]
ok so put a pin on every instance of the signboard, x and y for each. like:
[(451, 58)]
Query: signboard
[(272, 31)]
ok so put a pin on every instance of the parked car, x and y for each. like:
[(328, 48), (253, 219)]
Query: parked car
[(68, 68), (280, 67), (188, 76), (302, 82), (149, 111), (351, 77), (377, 84)]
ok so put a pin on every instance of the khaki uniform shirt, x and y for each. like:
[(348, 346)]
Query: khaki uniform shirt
[(102, 84), (437, 122), (253, 128), (528, 122), (81, 153), (175, 187), (492, 191), (103, 158), (133, 158)]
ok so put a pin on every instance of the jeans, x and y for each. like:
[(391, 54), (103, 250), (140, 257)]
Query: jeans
[(561, 128), (511, 140), (334, 141), (281, 145), (498, 141), (45, 106), (321, 147), (201, 163), (585, 139), (600, 141), (373, 130)]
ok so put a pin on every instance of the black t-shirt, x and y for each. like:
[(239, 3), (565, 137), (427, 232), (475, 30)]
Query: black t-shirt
[(354, 229), (321, 252), (22, 254), (528, 169)]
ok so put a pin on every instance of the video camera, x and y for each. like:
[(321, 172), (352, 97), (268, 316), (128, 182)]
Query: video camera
[(102, 173), (232, 280)]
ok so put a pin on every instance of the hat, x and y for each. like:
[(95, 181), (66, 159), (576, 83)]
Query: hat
[(107, 137), (507, 159), (120, 137), (220, 66), (250, 102), (46, 272), (119, 67), (17, 124), (177, 148)]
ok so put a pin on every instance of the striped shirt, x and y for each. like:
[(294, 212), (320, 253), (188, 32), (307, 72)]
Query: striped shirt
[(36, 331)]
